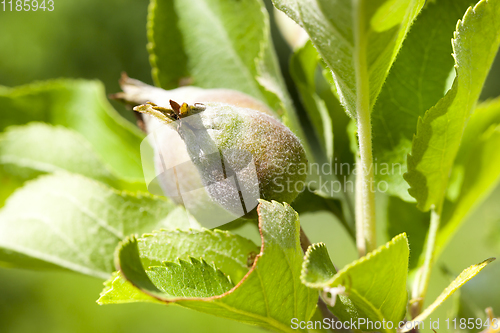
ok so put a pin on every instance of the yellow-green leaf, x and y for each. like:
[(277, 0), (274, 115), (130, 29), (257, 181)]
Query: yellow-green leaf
[(465, 276)]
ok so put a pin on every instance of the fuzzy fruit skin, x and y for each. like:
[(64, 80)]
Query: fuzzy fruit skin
[(234, 123), (277, 153)]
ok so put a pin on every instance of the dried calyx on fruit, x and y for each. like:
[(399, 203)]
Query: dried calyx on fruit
[(210, 149)]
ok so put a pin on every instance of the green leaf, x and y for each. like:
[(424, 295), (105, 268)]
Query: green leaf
[(358, 40), (118, 290), (465, 276), (417, 80), (479, 294), (204, 51), (232, 253), (375, 285), (82, 106), (229, 48), (304, 67), (486, 115), (269, 295), (405, 217), (9, 184), (313, 328), (439, 132), (317, 267), (37, 148), (477, 162), (189, 279), (74, 222)]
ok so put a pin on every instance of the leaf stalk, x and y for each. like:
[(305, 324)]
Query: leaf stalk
[(365, 194), (422, 283)]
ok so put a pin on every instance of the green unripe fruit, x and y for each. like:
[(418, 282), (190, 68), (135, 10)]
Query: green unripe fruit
[(223, 140), (239, 154)]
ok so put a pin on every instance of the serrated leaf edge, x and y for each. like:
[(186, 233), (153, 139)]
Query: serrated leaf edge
[(192, 261), (271, 320), (384, 247), (414, 159), (305, 263), (206, 299)]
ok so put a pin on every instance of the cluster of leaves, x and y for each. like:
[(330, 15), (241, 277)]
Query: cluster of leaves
[(72, 188)]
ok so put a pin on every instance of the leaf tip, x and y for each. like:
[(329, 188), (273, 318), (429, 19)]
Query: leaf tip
[(489, 260)]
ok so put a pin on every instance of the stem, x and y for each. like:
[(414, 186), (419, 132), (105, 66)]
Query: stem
[(304, 240), (360, 230), (365, 194), (422, 283), (328, 314), (365, 198)]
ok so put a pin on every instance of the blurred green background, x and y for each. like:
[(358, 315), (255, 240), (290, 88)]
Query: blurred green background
[(98, 40)]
